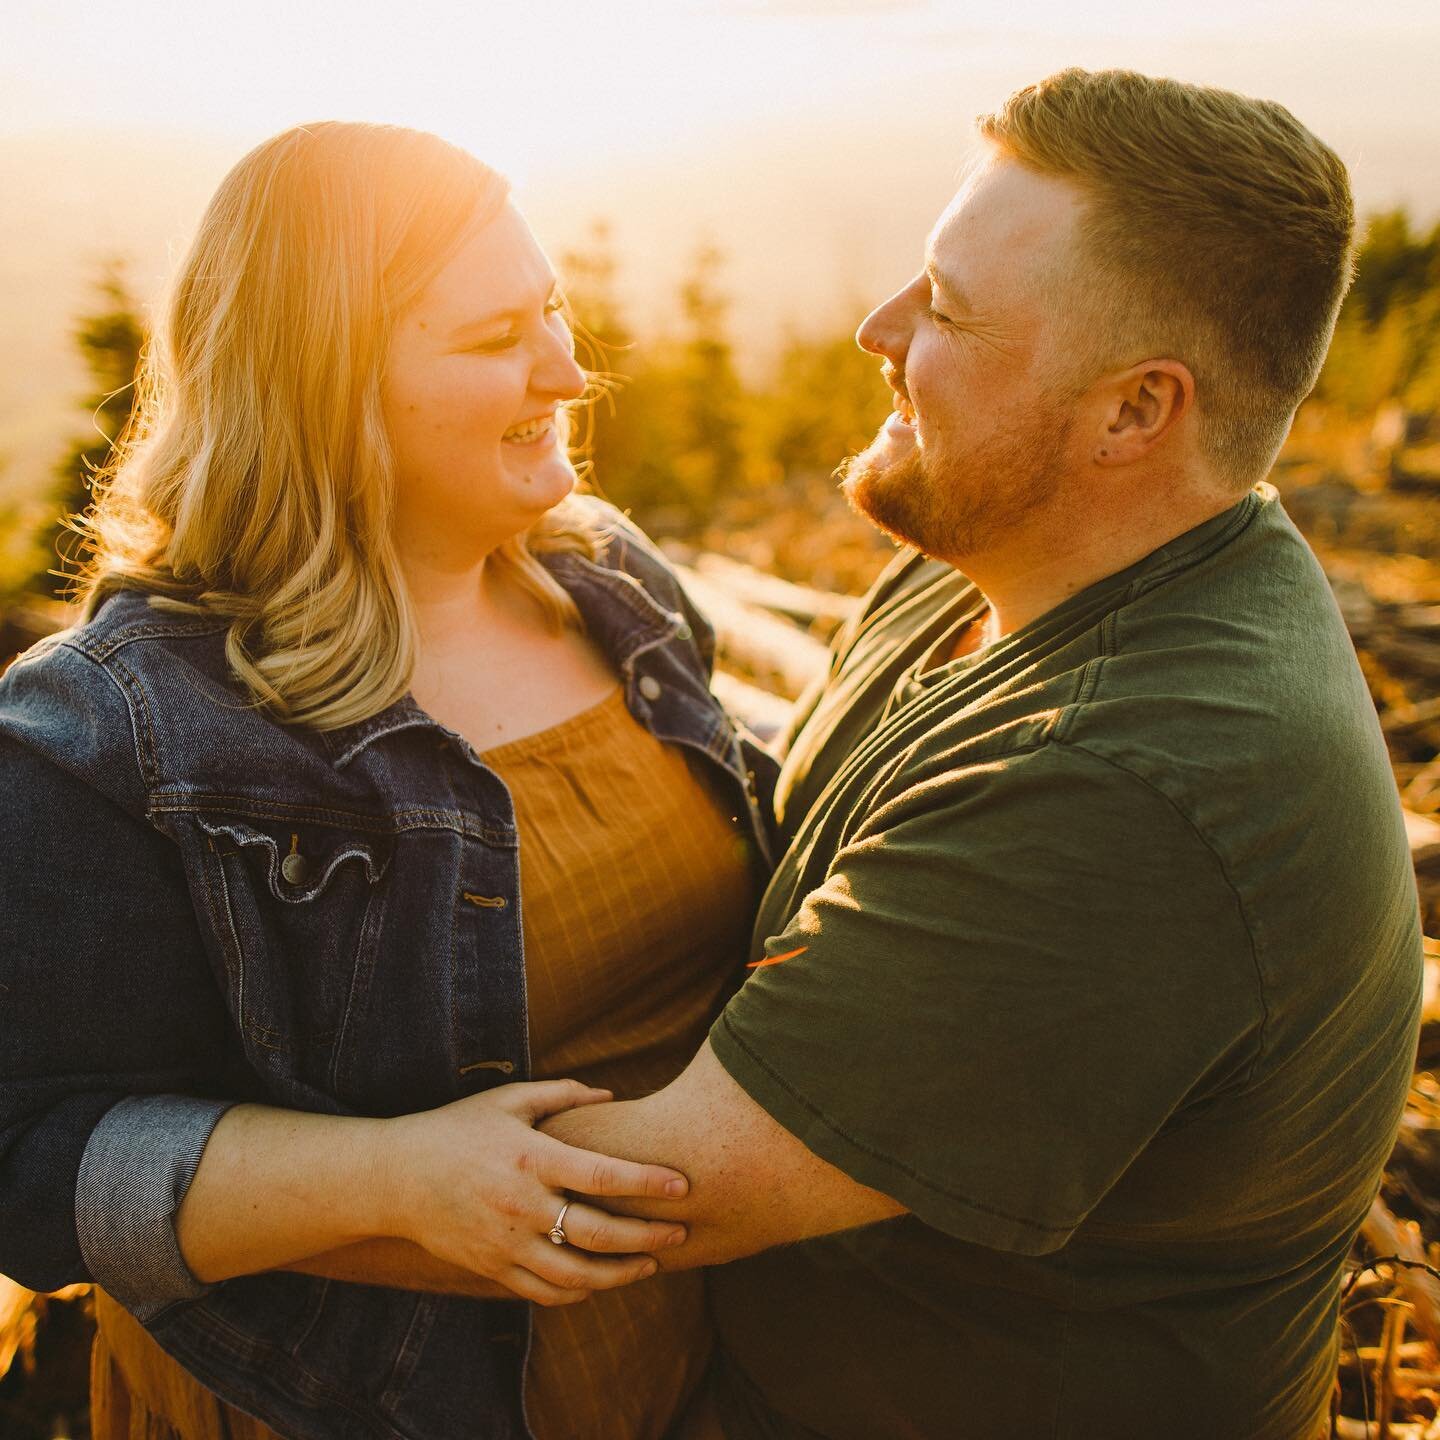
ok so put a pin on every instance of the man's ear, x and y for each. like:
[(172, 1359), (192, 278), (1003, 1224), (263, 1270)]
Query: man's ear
[(1143, 405)]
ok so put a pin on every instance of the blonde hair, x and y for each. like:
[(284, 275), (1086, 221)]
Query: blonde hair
[(255, 481), (1217, 231)]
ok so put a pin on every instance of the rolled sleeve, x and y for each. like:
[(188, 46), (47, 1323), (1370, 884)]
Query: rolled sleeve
[(110, 1019), (136, 1168)]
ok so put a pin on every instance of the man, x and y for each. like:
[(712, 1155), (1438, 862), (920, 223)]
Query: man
[(1093, 968)]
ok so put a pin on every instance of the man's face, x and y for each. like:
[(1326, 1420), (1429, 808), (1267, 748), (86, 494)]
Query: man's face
[(978, 356)]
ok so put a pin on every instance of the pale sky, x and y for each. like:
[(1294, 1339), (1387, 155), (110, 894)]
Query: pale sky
[(814, 140), (540, 87)]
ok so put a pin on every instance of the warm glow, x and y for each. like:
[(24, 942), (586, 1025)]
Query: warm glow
[(812, 140)]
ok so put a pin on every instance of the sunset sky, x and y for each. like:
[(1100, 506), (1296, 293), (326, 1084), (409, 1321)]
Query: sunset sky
[(814, 140), (540, 86)]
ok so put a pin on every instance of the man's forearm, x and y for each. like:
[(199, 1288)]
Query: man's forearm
[(752, 1183), (402, 1265), (632, 1129)]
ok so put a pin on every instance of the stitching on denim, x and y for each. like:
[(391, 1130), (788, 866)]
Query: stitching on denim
[(452, 952), (371, 925), (145, 731), (285, 1039), (366, 941), (316, 1311), (416, 818), (635, 596), (422, 1321), (104, 648), (224, 909), (375, 867)]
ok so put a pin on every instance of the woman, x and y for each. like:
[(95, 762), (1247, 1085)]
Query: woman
[(356, 672)]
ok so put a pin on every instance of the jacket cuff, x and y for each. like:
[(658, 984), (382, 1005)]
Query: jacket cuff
[(136, 1168)]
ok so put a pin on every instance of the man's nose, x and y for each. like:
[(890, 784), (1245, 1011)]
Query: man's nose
[(884, 330)]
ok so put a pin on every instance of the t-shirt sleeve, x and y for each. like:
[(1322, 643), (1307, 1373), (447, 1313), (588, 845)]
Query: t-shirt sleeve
[(1008, 982)]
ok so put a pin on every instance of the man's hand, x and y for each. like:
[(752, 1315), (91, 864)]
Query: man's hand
[(752, 1183)]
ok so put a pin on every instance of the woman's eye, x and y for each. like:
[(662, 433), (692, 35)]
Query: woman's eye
[(493, 347), (507, 342)]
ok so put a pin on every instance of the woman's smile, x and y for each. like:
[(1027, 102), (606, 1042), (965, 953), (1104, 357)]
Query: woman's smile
[(532, 434)]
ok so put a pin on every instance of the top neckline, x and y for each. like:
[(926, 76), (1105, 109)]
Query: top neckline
[(556, 736)]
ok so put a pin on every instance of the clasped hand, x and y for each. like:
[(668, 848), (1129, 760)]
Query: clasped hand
[(476, 1185)]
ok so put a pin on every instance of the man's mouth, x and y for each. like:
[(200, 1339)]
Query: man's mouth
[(530, 432), (900, 425)]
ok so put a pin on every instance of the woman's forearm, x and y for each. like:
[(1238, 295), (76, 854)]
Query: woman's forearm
[(403, 1265), (472, 1183), (276, 1186)]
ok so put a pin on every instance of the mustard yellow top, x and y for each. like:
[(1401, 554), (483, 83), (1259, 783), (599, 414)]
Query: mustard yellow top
[(636, 896)]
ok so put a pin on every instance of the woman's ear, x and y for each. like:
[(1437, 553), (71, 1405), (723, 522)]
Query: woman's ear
[(1143, 406)]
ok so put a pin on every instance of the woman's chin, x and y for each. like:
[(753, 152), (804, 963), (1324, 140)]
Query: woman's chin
[(541, 485)]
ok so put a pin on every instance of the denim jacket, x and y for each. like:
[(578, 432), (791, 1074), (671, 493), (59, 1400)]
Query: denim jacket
[(199, 906)]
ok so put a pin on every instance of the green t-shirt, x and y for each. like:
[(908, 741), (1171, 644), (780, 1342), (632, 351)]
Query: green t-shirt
[(1111, 975)]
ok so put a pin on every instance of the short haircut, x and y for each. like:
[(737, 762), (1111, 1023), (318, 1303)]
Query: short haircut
[(1217, 231)]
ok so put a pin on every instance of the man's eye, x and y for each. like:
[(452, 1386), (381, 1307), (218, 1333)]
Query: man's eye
[(937, 317)]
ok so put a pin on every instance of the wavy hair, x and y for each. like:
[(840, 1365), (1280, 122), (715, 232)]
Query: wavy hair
[(255, 480)]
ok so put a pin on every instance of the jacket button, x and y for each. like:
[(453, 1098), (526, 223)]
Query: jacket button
[(650, 687), (295, 868)]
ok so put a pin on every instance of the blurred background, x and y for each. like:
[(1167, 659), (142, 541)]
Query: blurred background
[(727, 187)]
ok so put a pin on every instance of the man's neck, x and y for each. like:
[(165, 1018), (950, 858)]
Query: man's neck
[(1028, 573)]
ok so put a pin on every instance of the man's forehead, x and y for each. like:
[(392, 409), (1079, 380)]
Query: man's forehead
[(1003, 215)]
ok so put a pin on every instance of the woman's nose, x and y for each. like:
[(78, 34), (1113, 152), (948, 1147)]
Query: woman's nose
[(557, 372)]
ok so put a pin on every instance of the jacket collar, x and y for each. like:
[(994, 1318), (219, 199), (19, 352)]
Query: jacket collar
[(620, 616)]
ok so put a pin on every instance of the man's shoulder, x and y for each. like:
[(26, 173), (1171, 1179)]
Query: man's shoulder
[(1233, 670)]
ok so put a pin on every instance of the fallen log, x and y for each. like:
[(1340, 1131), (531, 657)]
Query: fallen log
[(1386, 1235), (1423, 833), (802, 603), (760, 646), (766, 715)]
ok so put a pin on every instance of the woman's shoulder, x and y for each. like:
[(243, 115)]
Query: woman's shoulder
[(62, 705), (622, 546), (82, 699)]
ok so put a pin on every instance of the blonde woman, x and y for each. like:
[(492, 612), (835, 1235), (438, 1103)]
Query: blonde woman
[(356, 673)]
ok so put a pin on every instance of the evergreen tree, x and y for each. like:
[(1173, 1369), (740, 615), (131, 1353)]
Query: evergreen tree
[(826, 402), (110, 339), (710, 395)]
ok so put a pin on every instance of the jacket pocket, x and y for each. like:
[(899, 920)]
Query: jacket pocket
[(297, 909)]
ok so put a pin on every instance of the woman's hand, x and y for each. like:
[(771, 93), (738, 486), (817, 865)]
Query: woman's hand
[(478, 1187)]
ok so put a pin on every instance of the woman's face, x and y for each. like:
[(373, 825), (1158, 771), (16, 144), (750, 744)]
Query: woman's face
[(476, 371)]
